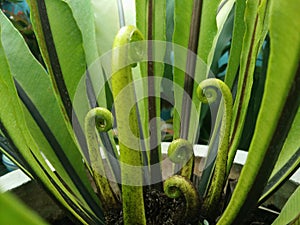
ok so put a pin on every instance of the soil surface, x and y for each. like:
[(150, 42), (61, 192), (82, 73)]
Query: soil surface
[(160, 210)]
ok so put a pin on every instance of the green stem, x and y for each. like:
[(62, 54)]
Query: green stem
[(123, 91), (208, 93), (177, 185), (180, 151), (101, 119)]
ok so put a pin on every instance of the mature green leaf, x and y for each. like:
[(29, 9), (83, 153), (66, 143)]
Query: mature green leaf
[(87, 26), (168, 69), (236, 43), (141, 16), (222, 45), (70, 53), (65, 57), (288, 160), (209, 33), (154, 30), (13, 125), (290, 211), (182, 20), (255, 22), (106, 23), (150, 20), (210, 28), (28, 73), (259, 77), (96, 82), (279, 106), (44, 119), (106, 27), (14, 212), (141, 8), (94, 87), (84, 16)]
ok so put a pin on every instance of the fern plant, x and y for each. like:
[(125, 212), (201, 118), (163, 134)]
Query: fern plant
[(102, 83)]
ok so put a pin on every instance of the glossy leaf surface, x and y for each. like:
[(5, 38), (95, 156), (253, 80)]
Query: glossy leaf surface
[(44, 118), (282, 74), (288, 160)]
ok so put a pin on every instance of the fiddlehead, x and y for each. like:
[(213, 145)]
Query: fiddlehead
[(176, 186), (103, 119), (208, 92), (180, 151), (99, 119), (125, 53)]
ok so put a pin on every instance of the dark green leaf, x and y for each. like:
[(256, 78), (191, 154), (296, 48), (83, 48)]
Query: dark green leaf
[(279, 106)]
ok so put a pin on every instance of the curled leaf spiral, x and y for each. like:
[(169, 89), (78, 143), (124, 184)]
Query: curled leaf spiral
[(101, 117), (180, 151), (208, 93), (176, 186)]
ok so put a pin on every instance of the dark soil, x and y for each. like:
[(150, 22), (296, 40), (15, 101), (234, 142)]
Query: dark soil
[(160, 210), (260, 217)]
